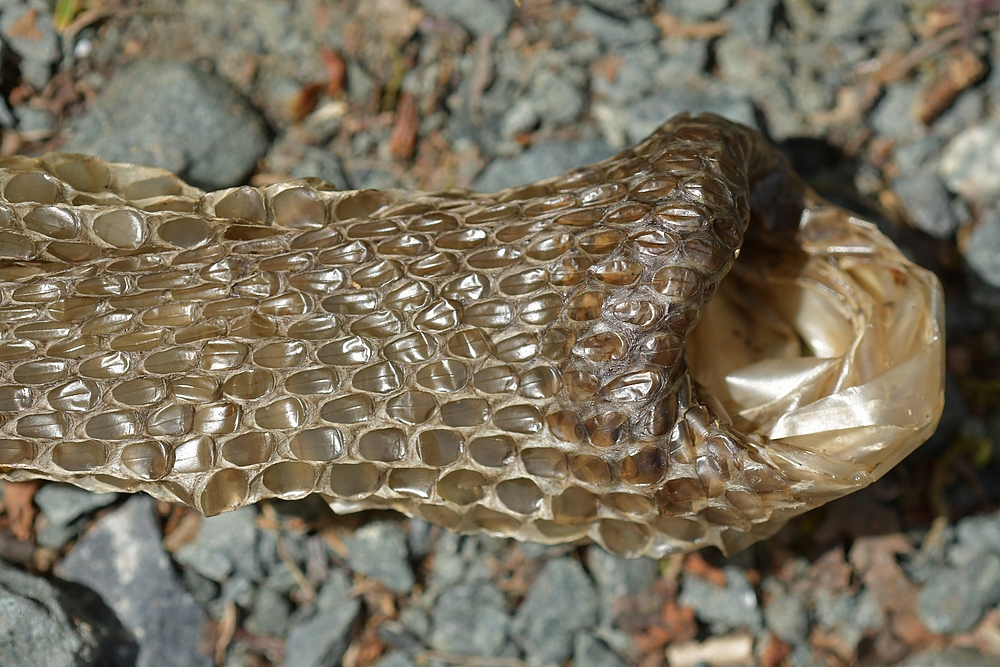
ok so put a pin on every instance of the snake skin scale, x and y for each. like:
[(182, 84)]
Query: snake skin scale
[(529, 363)]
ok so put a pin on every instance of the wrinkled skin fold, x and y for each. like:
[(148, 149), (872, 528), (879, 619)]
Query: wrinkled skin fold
[(678, 347)]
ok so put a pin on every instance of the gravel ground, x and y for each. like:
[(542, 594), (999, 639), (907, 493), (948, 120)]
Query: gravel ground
[(891, 107)]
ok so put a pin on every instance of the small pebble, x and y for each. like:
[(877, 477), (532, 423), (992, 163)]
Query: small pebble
[(42, 625), (480, 17), (723, 608), (983, 248), (588, 651), (970, 163), (122, 559), (470, 619), (561, 602), (378, 550), (925, 198), (225, 544), (613, 31), (174, 116), (955, 599)]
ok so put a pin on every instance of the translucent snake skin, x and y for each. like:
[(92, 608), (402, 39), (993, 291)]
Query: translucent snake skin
[(555, 362)]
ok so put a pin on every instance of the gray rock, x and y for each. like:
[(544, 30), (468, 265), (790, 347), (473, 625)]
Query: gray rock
[(970, 163), (955, 599), (268, 614), (561, 602), (920, 153), (321, 640), (416, 621), (894, 117), (321, 164), (852, 19), (787, 616), (121, 558), (632, 79), (621, 8), (37, 46), (975, 535), (613, 31), (555, 98), (43, 625), (695, 10), (752, 19), (925, 198), (395, 659), (378, 550), (723, 608), (470, 619), (480, 17), (850, 616), (62, 506), (39, 122), (225, 544), (588, 651), (540, 161), (952, 657), (619, 579), (178, 117), (645, 116), (522, 116), (983, 254), (420, 537), (964, 112)]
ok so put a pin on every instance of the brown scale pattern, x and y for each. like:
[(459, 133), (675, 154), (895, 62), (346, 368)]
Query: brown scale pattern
[(512, 363)]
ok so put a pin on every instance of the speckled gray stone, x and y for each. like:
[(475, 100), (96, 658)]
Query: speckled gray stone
[(849, 615), (39, 625), (378, 550), (952, 657), (62, 506), (926, 200), (561, 602), (983, 248), (955, 599), (975, 535), (174, 116), (395, 659), (480, 17), (614, 31), (588, 651), (38, 47), (121, 558), (787, 616), (540, 161), (320, 641), (470, 619), (722, 608), (970, 163), (619, 579), (225, 544), (646, 115)]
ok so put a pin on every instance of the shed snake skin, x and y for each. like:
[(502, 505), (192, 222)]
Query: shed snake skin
[(578, 358)]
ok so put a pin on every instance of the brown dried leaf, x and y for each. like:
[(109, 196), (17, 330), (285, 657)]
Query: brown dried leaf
[(695, 564), (305, 100), (25, 26), (336, 70), (961, 69), (18, 497), (403, 140)]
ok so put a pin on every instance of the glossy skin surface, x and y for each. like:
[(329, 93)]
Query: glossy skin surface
[(514, 363)]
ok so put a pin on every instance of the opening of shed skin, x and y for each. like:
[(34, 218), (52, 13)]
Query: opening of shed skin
[(830, 348)]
